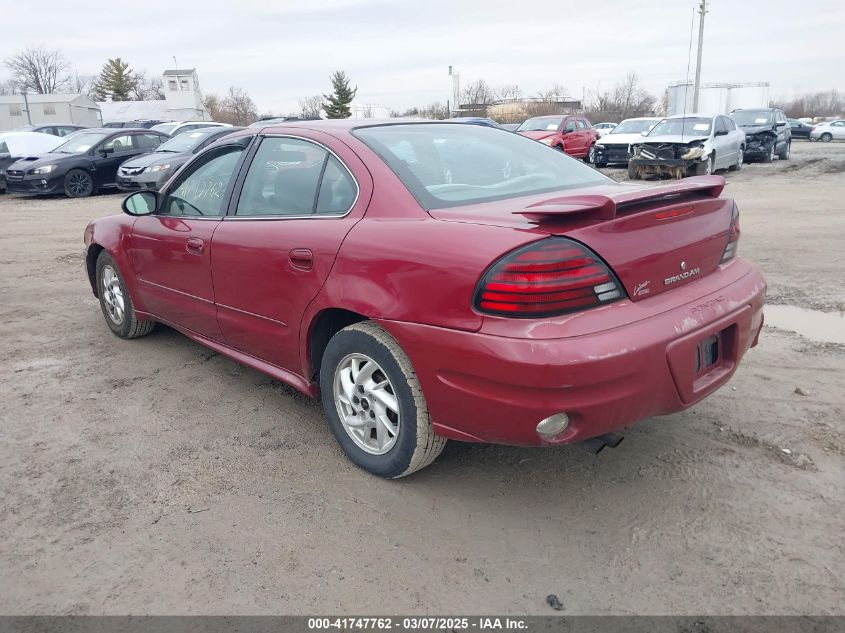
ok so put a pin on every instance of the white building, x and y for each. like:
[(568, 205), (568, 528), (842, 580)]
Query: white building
[(182, 102), (15, 110)]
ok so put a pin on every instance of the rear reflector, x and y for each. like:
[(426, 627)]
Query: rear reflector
[(547, 278), (733, 236)]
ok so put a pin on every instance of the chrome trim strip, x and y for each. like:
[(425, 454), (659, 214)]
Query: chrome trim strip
[(252, 314)]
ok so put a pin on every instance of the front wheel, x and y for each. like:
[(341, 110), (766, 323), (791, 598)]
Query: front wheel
[(78, 184), (591, 154), (115, 301), (374, 403), (784, 155), (633, 172), (705, 168)]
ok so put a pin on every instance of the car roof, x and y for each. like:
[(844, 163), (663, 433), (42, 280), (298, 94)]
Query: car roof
[(644, 118), (693, 115)]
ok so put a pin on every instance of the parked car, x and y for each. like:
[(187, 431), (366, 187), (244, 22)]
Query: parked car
[(475, 120), (333, 256), (178, 127), (688, 145), (604, 128), (767, 133), (571, 134), (83, 164), (613, 146), (140, 123), (17, 145), (826, 132), (800, 129), (150, 171), (56, 129)]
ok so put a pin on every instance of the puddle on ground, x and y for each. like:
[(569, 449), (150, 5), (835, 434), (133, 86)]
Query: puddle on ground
[(823, 327)]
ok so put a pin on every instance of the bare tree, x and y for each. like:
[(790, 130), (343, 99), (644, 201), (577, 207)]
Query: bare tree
[(367, 111), (827, 103), (214, 106), (310, 107), (83, 84), (8, 87), (478, 93), (238, 107), (40, 70), (511, 91), (626, 99), (147, 88)]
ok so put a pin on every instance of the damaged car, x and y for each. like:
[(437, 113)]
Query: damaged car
[(688, 145), (613, 146), (767, 133)]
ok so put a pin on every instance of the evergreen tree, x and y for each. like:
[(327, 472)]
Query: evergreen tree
[(337, 103), (116, 79)]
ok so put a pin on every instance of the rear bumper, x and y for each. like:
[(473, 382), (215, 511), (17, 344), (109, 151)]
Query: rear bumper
[(493, 388)]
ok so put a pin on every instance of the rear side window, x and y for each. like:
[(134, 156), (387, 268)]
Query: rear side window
[(147, 141), (294, 177)]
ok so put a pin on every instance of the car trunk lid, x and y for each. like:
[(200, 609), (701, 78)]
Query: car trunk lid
[(653, 238)]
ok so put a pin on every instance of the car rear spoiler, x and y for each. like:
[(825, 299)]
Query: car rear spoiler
[(603, 207)]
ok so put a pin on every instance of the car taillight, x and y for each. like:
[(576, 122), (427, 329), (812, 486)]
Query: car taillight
[(733, 236), (547, 278)]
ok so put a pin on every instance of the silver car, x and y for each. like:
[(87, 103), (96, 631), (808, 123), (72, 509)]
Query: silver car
[(688, 145), (826, 132)]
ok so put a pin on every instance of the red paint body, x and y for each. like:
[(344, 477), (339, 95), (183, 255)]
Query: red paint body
[(576, 142), (253, 289)]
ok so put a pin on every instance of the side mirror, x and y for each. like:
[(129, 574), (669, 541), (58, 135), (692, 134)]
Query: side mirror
[(721, 132), (645, 132), (105, 151), (780, 123), (140, 203)]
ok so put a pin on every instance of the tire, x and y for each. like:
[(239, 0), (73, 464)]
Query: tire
[(770, 155), (600, 165), (633, 174), (78, 184), (827, 137), (591, 154), (705, 168), (739, 160), (413, 445), (559, 148), (111, 289), (784, 155)]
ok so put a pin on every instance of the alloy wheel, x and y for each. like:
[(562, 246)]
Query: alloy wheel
[(113, 295), (79, 184), (366, 403)]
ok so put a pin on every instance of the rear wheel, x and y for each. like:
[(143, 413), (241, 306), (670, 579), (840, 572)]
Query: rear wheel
[(78, 184), (115, 301), (374, 403), (827, 137), (784, 155)]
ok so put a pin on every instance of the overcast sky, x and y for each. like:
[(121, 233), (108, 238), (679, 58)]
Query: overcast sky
[(398, 51)]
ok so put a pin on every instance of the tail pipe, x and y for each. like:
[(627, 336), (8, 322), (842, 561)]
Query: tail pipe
[(596, 444)]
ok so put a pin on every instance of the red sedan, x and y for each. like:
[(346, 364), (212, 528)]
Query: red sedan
[(571, 134), (437, 280)]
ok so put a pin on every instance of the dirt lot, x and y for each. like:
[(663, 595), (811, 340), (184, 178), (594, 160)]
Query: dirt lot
[(154, 476)]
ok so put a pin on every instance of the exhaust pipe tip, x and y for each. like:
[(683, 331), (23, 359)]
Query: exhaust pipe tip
[(595, 444)]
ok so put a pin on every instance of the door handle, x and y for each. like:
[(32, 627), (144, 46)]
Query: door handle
[(194, 246), (301, 258)]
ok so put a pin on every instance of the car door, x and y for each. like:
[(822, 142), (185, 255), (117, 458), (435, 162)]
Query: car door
[(108, 157), (837, 130), (275, 249), (569, 135), (725, 153), (170, 251), (736, 137)]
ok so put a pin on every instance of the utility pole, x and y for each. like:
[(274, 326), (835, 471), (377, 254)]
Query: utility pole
[(702, 9), (26, 105)]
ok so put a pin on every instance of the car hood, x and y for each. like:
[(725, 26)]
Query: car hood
[(155, 158), (755, 129), (31, 162), (672, 138), (621, 139), (538, 134)]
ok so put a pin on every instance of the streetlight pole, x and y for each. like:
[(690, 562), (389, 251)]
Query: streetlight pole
[(702, 9)]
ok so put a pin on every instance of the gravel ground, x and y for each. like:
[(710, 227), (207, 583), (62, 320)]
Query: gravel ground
[(155, 476)]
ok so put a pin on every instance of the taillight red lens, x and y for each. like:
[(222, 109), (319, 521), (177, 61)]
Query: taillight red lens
[(547, 278), (733, 236)]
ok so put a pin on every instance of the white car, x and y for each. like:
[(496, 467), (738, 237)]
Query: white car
[(826, 132), (604, 128), (17, 145), (177, 127), (613, 146)]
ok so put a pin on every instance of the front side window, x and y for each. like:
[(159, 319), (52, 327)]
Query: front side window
[(467, 164), (201, 192), (569, 127), (294, 177), (119, 144)]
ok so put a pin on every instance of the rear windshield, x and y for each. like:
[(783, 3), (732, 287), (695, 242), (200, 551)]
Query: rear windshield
[(448, 165)]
